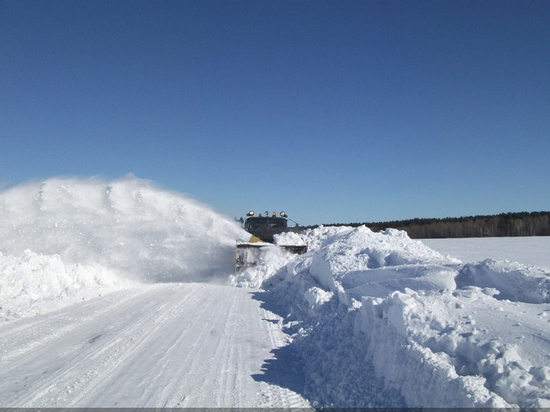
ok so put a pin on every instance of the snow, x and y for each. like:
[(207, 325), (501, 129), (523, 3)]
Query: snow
[(129, 284), (527, 250), (136, 348)]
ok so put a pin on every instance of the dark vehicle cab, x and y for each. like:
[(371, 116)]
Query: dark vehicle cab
[(264, 227)]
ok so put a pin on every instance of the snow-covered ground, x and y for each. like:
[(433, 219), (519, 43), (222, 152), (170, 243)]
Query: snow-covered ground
[(123, 294), (527, 250)]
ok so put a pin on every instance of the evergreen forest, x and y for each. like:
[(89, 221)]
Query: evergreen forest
[(501, 225)]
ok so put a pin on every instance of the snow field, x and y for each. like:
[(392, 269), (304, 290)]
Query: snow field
[(527, 250), (377, 319)]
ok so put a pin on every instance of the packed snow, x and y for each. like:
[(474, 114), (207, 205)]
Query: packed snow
[(367, 319)]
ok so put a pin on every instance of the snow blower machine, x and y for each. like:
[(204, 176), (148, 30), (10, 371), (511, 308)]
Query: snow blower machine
[(262, 229)]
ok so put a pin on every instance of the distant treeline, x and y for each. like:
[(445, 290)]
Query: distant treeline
[(504, 224)]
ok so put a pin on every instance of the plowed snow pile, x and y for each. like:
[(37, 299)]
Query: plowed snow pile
[(65, 239), (378, 319), (383, 321)]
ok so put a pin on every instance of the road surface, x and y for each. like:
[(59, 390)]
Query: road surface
[(167, 345)]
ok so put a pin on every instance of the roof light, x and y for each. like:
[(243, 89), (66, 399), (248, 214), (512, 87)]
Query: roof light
[(283, 214), (251, 213)]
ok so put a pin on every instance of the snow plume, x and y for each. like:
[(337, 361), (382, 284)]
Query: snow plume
[(381, 320), (127, 227)]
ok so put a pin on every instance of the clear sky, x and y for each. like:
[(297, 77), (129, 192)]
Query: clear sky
[(335, 111)]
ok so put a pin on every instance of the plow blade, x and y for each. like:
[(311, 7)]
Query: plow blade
[(250, 254), (296, 249)]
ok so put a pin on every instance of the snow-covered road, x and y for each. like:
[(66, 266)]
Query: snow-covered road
[(137, 348)]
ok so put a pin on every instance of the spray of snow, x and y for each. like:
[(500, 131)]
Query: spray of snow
[(66, 234)]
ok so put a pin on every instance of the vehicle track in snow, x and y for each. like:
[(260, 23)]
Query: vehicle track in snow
[(168, 345)]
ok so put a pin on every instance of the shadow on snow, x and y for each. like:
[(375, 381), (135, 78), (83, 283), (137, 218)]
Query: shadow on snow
[(329, 366), (285, 369)]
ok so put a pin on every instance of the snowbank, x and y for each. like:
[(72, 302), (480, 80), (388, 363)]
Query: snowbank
[(33, 283), (383, 321)]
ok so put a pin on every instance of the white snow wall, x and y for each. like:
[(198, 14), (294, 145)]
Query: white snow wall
[(128, 226)]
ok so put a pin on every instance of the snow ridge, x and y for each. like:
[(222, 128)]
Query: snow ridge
[(430, 331)]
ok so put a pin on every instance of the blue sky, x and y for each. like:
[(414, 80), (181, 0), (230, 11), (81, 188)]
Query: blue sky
[(335, 111)]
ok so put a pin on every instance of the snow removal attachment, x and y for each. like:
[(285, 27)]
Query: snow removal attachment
[(262, 230)]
